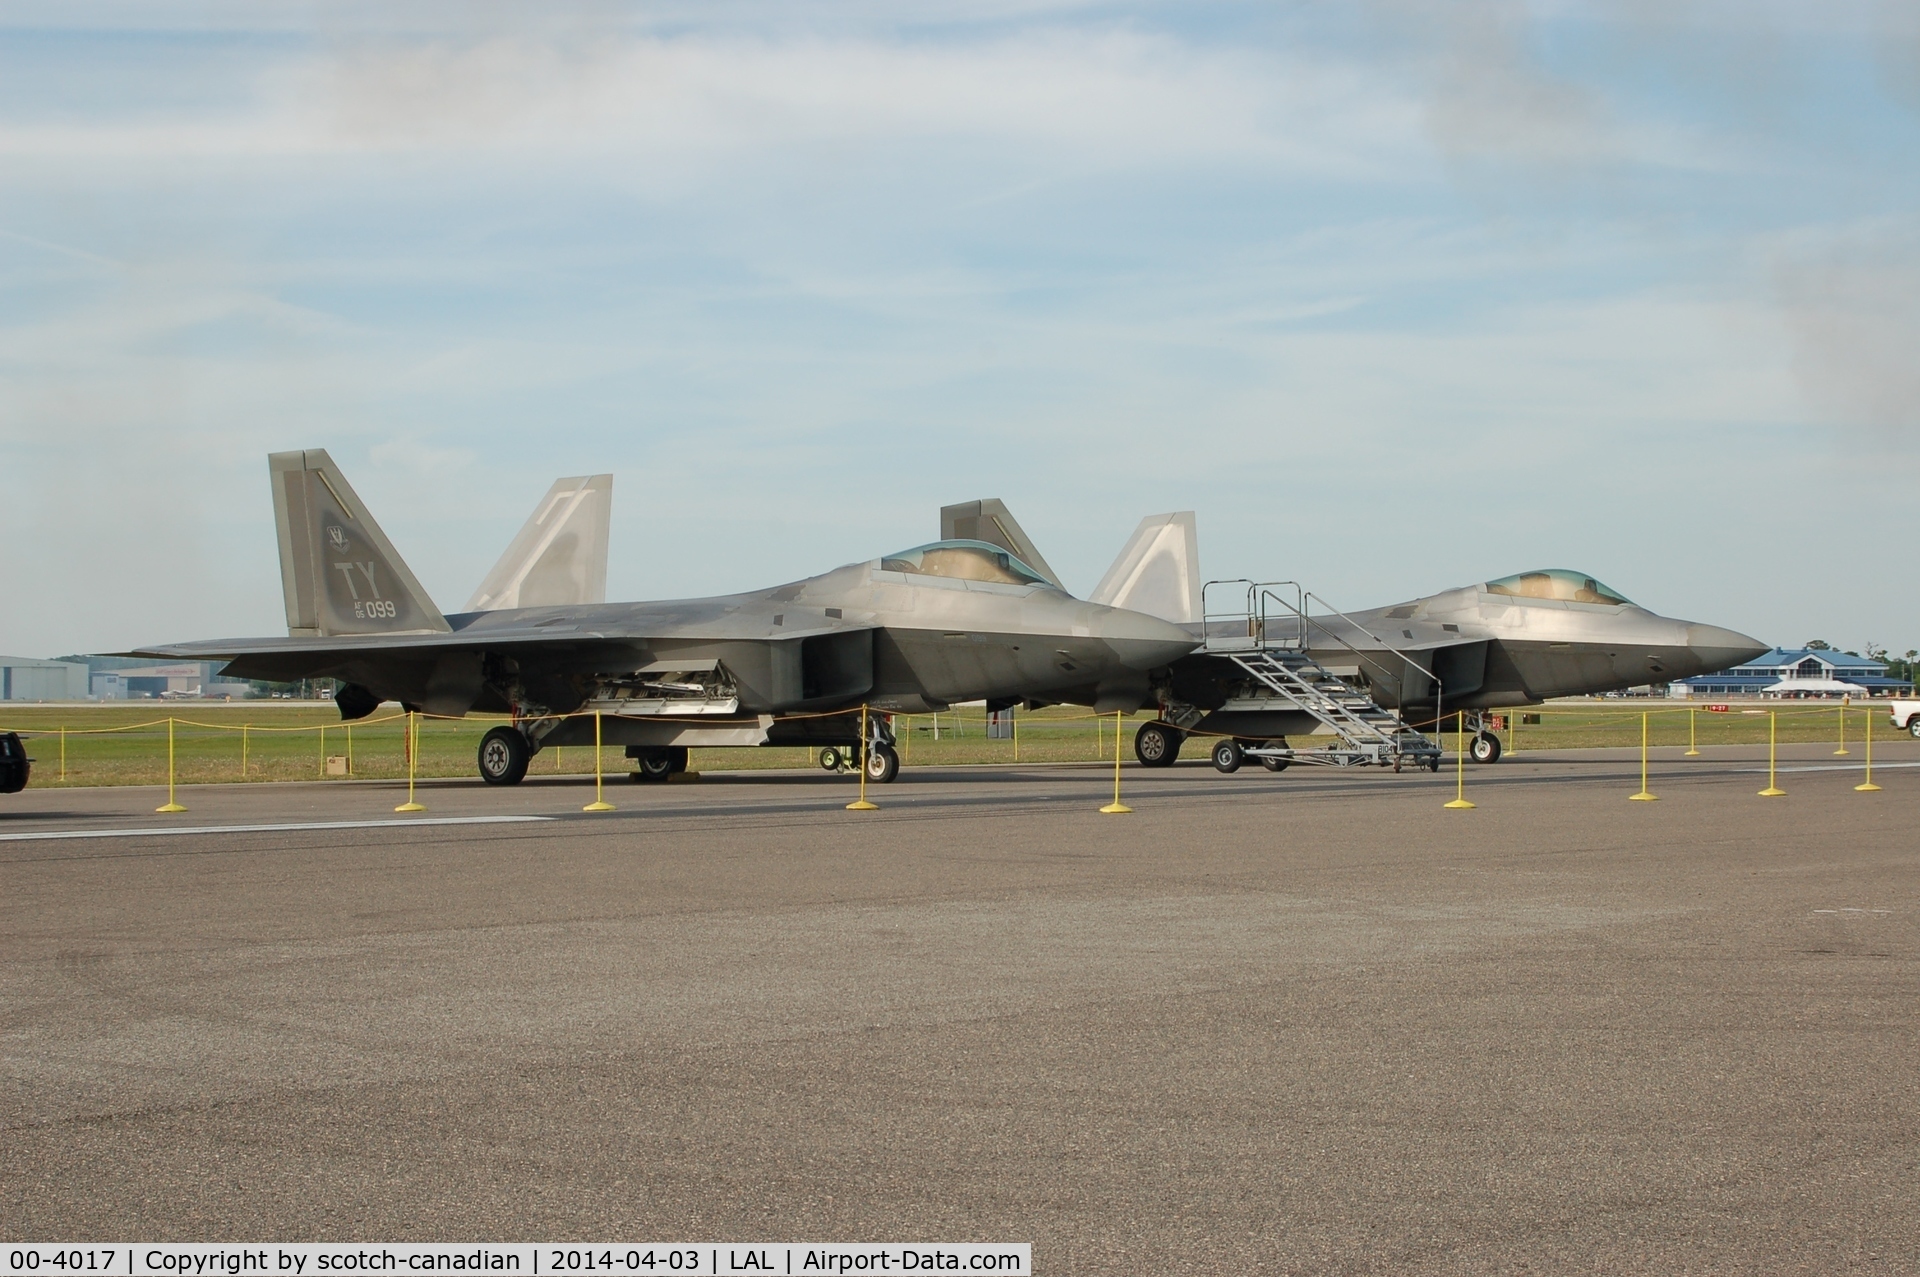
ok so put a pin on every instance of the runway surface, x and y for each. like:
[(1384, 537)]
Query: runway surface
[(1308, 1022)]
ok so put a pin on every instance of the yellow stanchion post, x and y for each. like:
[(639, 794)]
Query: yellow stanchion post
[(1643, 796), (860, 755), (410, 735), (1693, 749), (243, 751), (349, 749), (1016, 733), (63, 754), (1844, 702), (171, 805), (1116, 807), (323, 751), (1772, 790), (1869, 787), (1459, 802), (599, 803)]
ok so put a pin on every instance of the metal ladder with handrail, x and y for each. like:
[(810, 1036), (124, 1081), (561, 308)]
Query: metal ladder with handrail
[(1275, 656)]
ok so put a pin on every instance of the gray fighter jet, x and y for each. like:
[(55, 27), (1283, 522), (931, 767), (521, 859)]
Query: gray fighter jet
[(1515, 641), (960, 619)]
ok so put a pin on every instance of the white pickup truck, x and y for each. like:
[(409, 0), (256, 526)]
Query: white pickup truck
[(1906, 714)]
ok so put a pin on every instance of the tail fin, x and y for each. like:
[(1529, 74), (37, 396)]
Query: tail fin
[(992, 522), (1159, 570), (560, 556), (340, 573)]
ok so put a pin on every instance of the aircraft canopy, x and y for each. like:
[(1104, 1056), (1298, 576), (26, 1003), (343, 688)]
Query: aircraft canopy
[(1557, 583), (966, 561)]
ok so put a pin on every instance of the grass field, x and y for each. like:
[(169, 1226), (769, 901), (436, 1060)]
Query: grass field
[(126, 744)]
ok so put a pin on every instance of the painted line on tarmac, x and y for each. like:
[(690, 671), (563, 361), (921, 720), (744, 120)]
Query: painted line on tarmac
[(176, 830)]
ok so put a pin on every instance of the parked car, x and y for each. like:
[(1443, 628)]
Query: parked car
[(1906, 714), (15, 766)]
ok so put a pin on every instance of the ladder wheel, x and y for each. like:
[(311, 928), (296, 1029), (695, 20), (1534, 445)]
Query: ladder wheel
[(1274, 764), (830, 759), (1227, 756), (1433, 763), (1157, 744)]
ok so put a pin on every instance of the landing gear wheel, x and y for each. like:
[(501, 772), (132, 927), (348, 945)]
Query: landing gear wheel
[(1485, 748), (504, 756), (830, 759), (1157, 744), (882, 765), (1227, 756), (654, 765)]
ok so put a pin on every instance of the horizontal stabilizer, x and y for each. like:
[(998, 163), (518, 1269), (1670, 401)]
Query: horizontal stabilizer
[(339, 572), (992, 522), (1158, 572), (559, 558)]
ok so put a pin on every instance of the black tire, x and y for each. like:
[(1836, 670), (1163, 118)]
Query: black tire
[(1433, 762), (504, 756), (1913, 725), (1276, 764), (830, 759), (678, 755), (1227, 756), (1485, 748), (15, 767), (882, 765), (653, 765), (1157, 744)]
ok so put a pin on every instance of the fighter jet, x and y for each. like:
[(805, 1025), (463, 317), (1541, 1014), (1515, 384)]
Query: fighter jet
[(1514, 641), (959, 619)]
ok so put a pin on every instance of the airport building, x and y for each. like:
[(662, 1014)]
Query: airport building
[(184, 678), (1794, 673), (23, 678)]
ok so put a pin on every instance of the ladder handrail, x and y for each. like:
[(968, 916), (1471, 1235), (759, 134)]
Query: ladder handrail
[(1308, 623)]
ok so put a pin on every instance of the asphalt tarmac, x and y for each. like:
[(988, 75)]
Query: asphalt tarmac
[(1309, 1022)]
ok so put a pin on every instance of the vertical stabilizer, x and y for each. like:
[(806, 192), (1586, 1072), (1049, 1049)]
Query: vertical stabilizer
[(992, 522), (1158, 572), (340, 573), (559, 557)]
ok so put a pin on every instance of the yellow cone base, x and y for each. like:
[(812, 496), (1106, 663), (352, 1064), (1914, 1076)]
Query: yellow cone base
[(1644, 797), (863, 805), (411, 807), (1692, 753), (598, 807), (1117, 809), (171, 807), (1459, 804), (1868, 788), (1841, 753), (1770, 792)]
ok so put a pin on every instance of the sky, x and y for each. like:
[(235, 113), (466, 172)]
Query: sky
[(1397, 295)]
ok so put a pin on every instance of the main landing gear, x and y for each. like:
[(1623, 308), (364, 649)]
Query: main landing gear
[(504, 755), (1157, 744)]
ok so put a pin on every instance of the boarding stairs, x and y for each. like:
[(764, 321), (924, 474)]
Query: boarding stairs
[(1268, 639)]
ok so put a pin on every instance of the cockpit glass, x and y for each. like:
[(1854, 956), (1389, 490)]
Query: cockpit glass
[(1557, 583), (965, 561)]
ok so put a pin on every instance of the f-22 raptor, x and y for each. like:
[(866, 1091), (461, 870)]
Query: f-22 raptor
[(959, 619)]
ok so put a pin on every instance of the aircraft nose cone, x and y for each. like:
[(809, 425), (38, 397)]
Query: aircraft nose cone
[(1141, 641), (1715, 649)]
